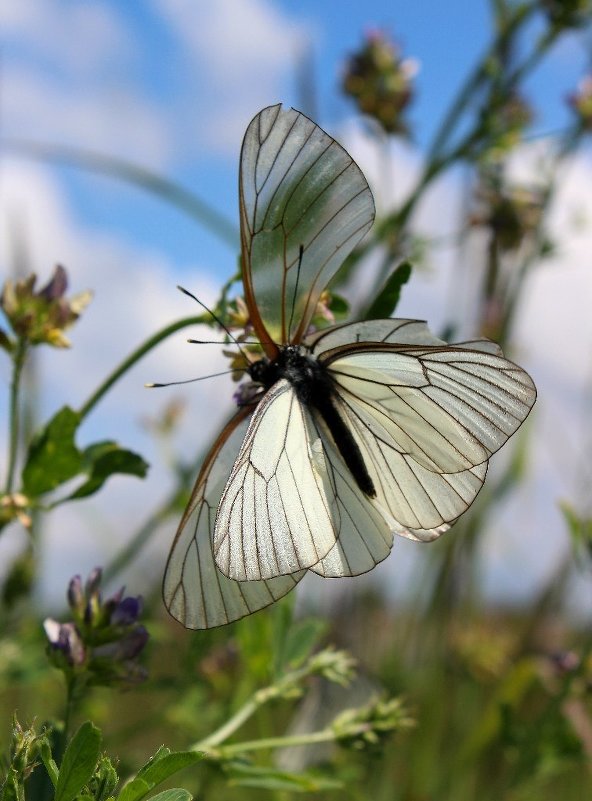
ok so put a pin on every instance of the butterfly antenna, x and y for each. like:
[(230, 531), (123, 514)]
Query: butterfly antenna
[(215, 318), (191, 380), (300, 256)]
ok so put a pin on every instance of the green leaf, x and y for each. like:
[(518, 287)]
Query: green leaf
[(388, 298), (49, 762), (53, 457), (79, 762), (302, 639), (133, 790), (268, 778), (297, 642), (173, 795), (105, 780), (104, 459), (161, 767)]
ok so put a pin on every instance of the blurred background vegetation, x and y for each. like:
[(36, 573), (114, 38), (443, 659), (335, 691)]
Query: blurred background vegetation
[(455, 696)]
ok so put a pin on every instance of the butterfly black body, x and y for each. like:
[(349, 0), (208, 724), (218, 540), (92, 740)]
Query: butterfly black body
[(315, 388)]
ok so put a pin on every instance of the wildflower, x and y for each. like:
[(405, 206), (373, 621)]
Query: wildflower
[(14, 506), (42, 316), (511, 213), (65, 643), (567, 13), (238, 315), (323, 312), (502, 125), (365, 727), (380, 82), (104, 640), (581, 103)]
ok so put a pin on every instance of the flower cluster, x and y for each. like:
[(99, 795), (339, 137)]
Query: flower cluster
[(15, 506), (503, 121), (42, 316), (581, 103), (567, 13), (511, 213), (367, 726), (380, 82), (102, 644)]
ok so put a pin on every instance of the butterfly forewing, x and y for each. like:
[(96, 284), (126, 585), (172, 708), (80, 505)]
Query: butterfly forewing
[(274, 517), (304, 206), (291, 502), (195, 592)]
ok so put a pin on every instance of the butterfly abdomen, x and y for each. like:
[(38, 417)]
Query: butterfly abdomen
[(315, 389)]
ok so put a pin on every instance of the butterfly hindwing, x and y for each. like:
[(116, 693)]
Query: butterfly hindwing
[(195, 592)]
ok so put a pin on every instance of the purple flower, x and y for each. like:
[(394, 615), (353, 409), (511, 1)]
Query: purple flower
[(127, 611), (104, 640), (64, 638)]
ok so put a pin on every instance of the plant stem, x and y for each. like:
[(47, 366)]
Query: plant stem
[(261, 697), (141, 538), (171, 192), (135, 356), (14, 413), (321, 736)]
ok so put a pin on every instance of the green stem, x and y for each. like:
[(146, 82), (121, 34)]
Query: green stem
[(277, 689), (474, 80), (235, 722), (14, 413), (141, 538), (321, 736), (135, 356), (62, 741), (169, 191)]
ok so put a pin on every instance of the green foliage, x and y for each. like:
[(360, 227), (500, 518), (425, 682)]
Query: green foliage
[(162, 766), (53, 459), (387, 300), (79, 763), (244, 774)]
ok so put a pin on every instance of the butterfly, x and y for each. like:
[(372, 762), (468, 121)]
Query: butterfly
[(346, 435)]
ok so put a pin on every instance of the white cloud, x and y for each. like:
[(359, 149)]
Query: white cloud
[(135, 296), (83, 38), (238, 54)]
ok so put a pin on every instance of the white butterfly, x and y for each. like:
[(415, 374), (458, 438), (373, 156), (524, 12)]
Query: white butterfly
[(358, 432)]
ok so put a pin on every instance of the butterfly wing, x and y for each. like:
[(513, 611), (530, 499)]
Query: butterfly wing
[(195, 592), (426, 418), (290, 498), (304, 205)]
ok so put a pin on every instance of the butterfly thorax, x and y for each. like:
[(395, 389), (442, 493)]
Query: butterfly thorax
[(315, 388)]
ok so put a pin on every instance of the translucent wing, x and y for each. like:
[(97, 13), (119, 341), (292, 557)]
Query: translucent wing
[(365, 530), (447, 407), (194, 590), (422, 503), (304, 205), (397, 331), (274, 517), (290, 498)]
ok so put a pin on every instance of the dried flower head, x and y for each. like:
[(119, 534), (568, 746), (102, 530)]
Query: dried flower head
[(42, 316), (380, 82), (581, 103), (567, 13), (503, 122), (511, 213), (15, 506)]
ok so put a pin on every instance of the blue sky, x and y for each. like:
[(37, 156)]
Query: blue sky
[(171, 85)]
